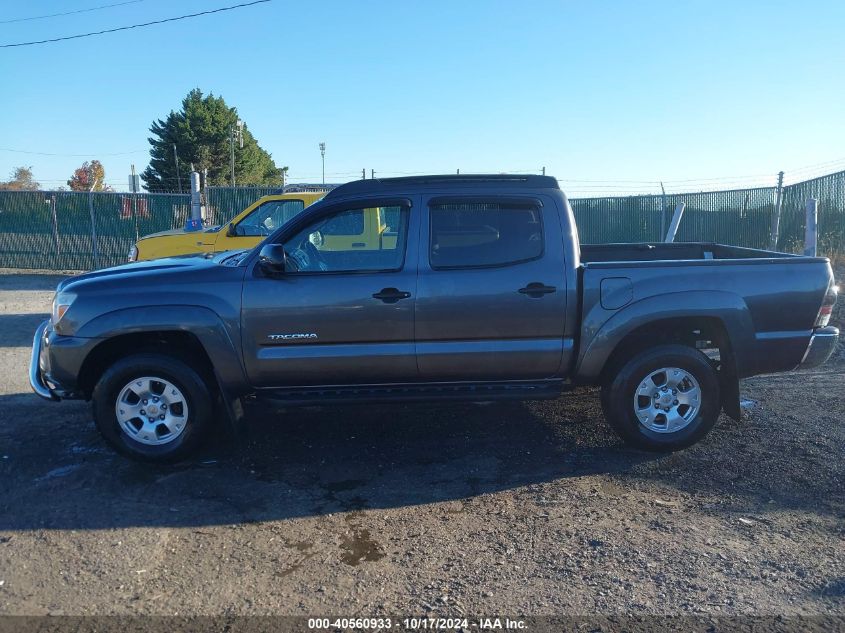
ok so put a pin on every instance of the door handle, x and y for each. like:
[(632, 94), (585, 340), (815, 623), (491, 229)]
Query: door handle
[(391, 295), (536, 290)]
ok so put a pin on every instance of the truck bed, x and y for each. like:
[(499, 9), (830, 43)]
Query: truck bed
[(773, 298), (683, 251)]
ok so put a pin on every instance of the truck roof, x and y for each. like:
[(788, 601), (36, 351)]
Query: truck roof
[(512, 182)]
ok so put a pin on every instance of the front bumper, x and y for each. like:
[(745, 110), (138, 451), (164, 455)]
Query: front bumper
[(36, 377), (822, 344)]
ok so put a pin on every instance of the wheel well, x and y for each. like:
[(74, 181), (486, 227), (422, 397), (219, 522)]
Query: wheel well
[(705, 334), (182, 345)]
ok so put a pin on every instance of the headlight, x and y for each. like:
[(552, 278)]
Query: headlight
[(61, 302), (133, 253)]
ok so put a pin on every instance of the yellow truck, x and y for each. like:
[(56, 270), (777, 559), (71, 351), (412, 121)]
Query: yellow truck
[(245, 230)]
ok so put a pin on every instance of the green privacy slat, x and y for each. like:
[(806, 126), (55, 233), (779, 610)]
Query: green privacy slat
[(53, 230)]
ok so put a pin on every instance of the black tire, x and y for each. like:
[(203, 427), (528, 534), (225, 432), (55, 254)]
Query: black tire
[(617, 398), (181, 375)]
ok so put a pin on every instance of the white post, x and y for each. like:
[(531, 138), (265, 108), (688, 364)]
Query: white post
[(811, 232), (676, 220), (775, 230), (196, 202)]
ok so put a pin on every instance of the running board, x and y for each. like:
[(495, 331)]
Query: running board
[(541, 390)]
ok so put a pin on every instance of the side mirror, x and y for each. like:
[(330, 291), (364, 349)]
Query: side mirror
[(231, 231), (272, 259)]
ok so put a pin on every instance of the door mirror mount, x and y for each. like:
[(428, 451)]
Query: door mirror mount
[(272, 259), (232, 231)]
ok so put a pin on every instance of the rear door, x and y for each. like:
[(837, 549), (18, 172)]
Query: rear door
[(340, 315), (491, 300)]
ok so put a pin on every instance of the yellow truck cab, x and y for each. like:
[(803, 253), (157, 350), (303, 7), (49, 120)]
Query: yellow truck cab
[(245, 230), (360, 230)]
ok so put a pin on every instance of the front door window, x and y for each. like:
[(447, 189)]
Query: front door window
[(352, 240)]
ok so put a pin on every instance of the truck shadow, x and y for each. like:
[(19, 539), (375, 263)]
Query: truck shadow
[(57, 473)]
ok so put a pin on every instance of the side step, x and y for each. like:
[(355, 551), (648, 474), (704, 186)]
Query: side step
[(540, 390)]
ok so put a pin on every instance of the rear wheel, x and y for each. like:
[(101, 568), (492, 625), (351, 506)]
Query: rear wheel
[(152, 407), (663, 399)]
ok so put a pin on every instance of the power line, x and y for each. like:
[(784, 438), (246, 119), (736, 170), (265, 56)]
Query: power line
[(56, 15), (23, 151), (135, 26)]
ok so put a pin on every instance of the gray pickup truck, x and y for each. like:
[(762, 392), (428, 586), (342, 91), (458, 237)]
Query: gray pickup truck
[(431, 288)]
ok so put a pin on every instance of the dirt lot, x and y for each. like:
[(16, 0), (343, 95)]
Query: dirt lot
[(397, 510)]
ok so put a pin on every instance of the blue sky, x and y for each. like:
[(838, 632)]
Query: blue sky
[(626, 93)]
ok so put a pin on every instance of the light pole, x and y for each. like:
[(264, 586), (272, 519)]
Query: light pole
[(323, 156)]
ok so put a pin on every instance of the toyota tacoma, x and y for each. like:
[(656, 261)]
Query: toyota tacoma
[(477, 288)]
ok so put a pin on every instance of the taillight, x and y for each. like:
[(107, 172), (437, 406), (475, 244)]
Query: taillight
[(827, 306)]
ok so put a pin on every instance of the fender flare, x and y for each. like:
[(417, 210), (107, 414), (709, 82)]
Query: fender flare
[(728, 308), (199, 321)]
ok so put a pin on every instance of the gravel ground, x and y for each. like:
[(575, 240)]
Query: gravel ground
[(469, 509)]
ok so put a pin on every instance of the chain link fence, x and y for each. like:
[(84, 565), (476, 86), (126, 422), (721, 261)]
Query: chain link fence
[(63, 230)]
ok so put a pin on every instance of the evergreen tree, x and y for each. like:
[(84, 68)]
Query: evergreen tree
[(201, 132)]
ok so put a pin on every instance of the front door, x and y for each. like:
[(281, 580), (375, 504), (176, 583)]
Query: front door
[(339, 315), (491, 300)]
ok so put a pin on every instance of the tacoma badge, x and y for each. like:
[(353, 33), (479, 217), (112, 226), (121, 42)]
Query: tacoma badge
[(288, 337)]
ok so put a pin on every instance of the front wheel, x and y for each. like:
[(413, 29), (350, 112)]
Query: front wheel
[(663, 399), (152, 407)]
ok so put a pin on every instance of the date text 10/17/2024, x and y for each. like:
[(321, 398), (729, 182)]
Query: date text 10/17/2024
[(413, 624)]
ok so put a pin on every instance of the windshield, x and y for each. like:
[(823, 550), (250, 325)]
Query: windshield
[(268, 217)]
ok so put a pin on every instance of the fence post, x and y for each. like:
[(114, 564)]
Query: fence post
[(662, 209), (676, 220), (55, 224), (775, 232), (811, 230), (94, 252)]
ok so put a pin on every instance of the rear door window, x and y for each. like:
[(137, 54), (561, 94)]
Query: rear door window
[(482, 234)]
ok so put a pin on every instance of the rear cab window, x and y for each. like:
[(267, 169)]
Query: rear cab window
[(476, 234)]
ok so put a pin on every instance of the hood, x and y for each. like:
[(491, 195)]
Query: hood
[(149, 268), (210, 229)]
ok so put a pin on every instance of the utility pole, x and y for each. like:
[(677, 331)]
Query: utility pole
[(372, 173), (775, 233), (232, 146), (176, 161), (239, 125), (364, 174), (323, 156)]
